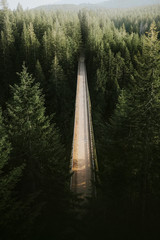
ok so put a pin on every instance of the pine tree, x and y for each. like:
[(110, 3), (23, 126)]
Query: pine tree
[(36, 143), (146, 116), (117, 165), (7, 41), (19, 8), (30, 45), (7, 38), (48, 51), (39, 74), (30, 131), (59, 92), (134, 129), (112, 86), (34, 43), (4, 4), (9, 178), (57, 76), (147, 75), (127, 70), (25, 41)]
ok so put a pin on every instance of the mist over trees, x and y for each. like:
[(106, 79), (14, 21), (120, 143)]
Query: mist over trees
[(109, 4), (39, 53)]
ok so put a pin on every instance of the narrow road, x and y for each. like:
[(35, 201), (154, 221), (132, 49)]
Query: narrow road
[(81, 158)]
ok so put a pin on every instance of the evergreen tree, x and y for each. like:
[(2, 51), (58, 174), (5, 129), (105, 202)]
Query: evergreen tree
[(146, 115), (36, 143), (39, 74), (4, 4), (25, 41), (30, 130), (133, 131), (9, 178), (7, 41)]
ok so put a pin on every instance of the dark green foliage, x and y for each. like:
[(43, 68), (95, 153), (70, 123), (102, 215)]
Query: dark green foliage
[(35, 145), (29, 129), (126, 124), (49, 45), (9, 177), (36, 139)]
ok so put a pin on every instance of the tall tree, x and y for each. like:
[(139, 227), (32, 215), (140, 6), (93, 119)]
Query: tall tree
[(36, 143), (7, 41), (30, 130), (146, 116), (39, 74), (9, 178), (134, 131)]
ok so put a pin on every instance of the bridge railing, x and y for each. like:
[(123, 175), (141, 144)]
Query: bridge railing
[(91, 135), (71, 160)]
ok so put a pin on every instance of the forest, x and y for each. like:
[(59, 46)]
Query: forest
[(39, 53)]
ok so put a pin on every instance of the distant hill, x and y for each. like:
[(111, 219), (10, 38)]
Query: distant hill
[(105, 4), (58, 7), (127, 3)]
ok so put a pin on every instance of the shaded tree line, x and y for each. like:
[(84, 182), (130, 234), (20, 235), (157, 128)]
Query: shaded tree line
[(124, 77), (38, 68)]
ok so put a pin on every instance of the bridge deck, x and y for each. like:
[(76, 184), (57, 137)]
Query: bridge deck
[(81, 179)]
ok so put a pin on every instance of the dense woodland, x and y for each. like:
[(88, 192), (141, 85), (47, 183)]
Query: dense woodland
[(39, 53)]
